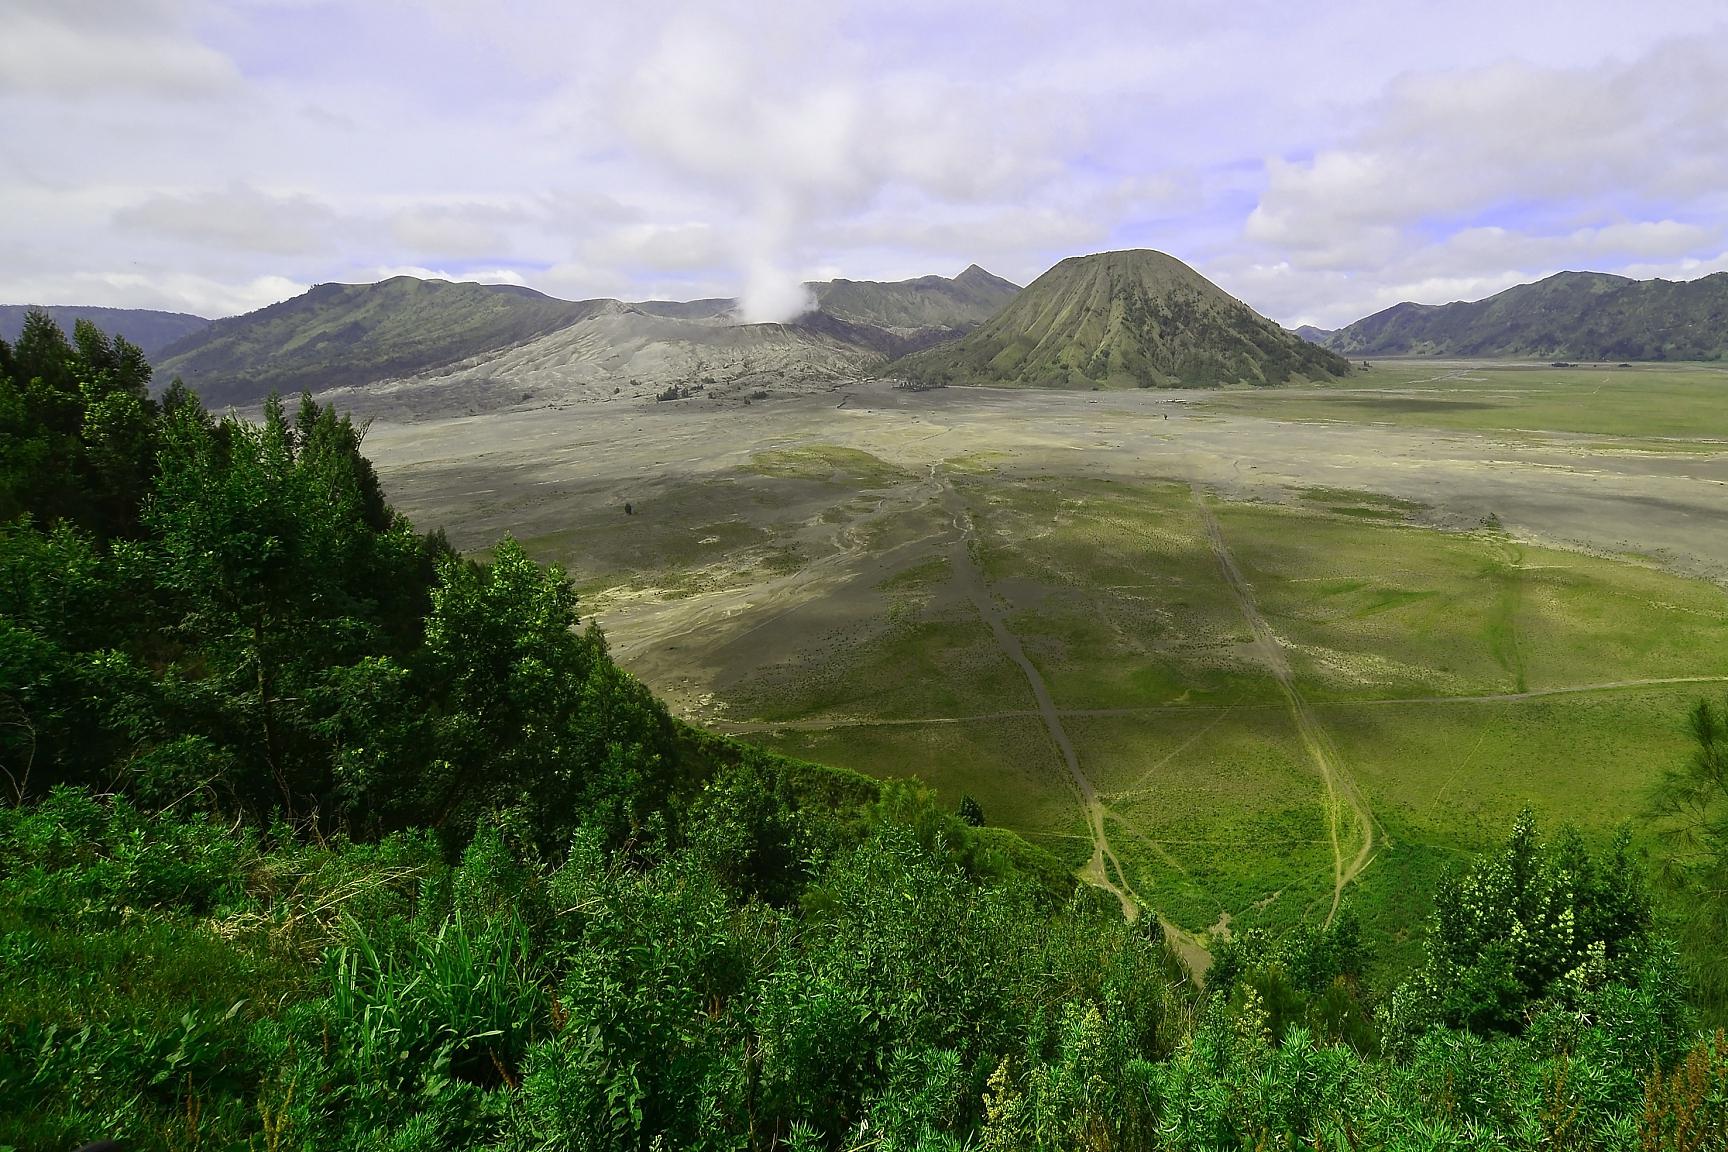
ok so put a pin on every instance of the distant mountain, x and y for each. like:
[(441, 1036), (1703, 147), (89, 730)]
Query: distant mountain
[(619, 349), (1569, 316), (346, 334), (957, 305), (1123, 319), (491, 344), (1312, 334), (688, 309), (152, 331)]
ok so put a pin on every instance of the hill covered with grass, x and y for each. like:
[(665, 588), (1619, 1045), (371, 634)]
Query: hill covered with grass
[(346, 334), (1567, 316), (1120, 320), (928, 302), (150, 330)]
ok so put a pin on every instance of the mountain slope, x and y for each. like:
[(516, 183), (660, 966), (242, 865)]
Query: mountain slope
[(350, 334), (152, 331), (621, 350), (1570, 315), (688, 309), (1121, 319), (637, 350), (957, 305), (485, 345)]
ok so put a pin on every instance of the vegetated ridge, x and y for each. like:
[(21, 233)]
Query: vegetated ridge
[(929, 302), (486, 344), (346, 334), (151, 330), (1123, 319), (1570, 316)]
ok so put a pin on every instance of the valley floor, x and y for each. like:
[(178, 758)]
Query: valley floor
[(1235, 656)]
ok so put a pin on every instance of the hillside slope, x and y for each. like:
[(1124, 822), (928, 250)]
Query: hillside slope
[(956, 304), (620, 350), (349, 334), (473, 346), (1123, 319), (1570, 315), (152, 331)]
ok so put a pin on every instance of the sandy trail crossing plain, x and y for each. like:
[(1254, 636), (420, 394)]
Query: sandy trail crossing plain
[(1347, 816), (789, 571)]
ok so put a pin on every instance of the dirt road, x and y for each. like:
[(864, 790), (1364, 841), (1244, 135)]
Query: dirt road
[(970, 577), (1349, 823)]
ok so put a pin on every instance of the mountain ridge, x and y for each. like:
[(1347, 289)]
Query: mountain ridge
[(149, 328), (1570, 315), (955, 304), (348, 336), (335, 335)]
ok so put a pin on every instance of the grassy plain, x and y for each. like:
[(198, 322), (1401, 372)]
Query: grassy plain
[(1658, 401), (1459, 676), (860, 588)]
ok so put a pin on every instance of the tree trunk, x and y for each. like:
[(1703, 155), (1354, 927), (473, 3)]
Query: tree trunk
[(267, 716)]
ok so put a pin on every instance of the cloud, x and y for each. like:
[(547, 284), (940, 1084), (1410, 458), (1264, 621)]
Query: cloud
[(238, 216), (166, 291), (1471, 180), (420, 272), (688, 244), (464, 231), (791, 127), (1317, 164), (91, 49)]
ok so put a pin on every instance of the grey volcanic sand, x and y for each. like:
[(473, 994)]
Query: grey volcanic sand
[(537, 473)]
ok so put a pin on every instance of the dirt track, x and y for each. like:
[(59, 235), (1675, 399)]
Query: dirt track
[(1348, 830), (1098, 869)]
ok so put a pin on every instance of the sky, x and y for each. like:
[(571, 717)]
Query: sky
[(1320, 161)]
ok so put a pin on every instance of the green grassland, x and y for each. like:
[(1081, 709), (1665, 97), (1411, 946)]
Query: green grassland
[(1114, 591), (1385, 610), (827, 462), (1006, 759), (1214, 811), (929, 660), (1458, 676), (1684, 402)]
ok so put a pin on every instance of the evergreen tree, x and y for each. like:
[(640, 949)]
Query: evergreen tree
[(1691, 806)]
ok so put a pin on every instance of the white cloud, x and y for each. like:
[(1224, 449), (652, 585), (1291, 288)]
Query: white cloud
[(1468, 181), (90, 50), (419, 272), (1690, 268), (169, 292), (1316, 162), (465, 231), (238, 216)]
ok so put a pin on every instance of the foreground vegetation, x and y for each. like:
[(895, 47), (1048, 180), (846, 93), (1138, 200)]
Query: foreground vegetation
[(319, 835)]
